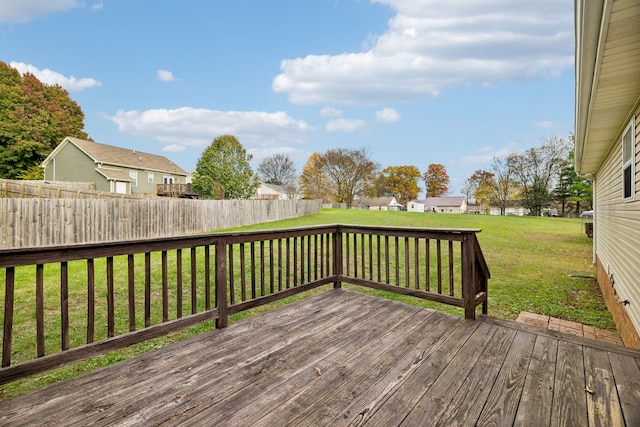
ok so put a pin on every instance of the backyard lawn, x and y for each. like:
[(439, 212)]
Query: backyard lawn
[(540, 265)]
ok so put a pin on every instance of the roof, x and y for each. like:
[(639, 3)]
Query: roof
[(376, 201), (607, 76), (115, 175), (275, 187), (122, 157), (456, 201)]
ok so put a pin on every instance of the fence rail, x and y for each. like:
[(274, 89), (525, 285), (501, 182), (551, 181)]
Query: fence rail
[(41, 222), (66, 303)]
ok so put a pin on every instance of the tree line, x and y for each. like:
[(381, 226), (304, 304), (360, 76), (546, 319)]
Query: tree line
[(538, 179)]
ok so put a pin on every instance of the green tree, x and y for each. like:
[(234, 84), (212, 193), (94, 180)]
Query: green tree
[(400, 182), (436, 180), (34, 119), (223, 171), (572, 188)]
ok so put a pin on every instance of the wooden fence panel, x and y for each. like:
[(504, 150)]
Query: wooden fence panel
[(32, 222)]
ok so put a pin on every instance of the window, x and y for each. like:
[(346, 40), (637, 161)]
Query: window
[(134, 175), (628, 163), (167, 179), (150, 178)]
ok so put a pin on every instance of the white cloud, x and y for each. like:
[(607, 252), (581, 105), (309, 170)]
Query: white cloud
[(430, 46), (26, 10), (547, 124), (331, 112), (484, 156), (53, 78), (387, 115), (165, 76), (97, 6), (174, 148), (345, 125), (197, 127)]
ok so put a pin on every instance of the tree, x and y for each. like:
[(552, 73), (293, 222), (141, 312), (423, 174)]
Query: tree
[(314, 183), (34, 119), (504, 188), (278, 169), (223, 171), (400, 182), (572, 188), (479, 186), (536, 169), (349, 172), (436, 180)]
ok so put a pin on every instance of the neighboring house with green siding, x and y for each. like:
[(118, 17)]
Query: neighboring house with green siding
[(112, 169)]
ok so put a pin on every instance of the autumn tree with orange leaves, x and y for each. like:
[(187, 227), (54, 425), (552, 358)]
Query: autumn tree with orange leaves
[(436, 180)]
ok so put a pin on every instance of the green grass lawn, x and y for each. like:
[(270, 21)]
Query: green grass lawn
[(531, 260)]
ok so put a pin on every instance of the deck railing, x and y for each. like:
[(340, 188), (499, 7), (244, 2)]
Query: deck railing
[(67, 303)]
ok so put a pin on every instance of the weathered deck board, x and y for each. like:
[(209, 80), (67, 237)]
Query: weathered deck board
[(342, 358)]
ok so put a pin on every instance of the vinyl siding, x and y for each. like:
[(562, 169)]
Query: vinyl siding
[(145, 187), (617, 227), (72, 165)]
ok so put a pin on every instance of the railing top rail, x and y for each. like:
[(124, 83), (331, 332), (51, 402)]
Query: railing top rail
[(15, 257)]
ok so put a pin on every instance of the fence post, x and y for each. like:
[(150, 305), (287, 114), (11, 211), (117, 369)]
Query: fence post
[(468, 277), (337, 257), (221, 283)]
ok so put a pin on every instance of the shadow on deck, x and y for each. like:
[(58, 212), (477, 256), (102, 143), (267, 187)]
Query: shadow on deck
[(344, 358)]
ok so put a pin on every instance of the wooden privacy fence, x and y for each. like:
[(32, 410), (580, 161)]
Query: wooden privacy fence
[(56, 190), (66, 303), (40, 222)]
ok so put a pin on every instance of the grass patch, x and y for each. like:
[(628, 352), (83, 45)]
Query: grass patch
[(530, 259)]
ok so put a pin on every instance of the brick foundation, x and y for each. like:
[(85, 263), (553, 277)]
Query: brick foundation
[(628, 332)]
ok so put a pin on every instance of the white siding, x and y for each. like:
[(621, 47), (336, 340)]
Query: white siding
[(617, 227)]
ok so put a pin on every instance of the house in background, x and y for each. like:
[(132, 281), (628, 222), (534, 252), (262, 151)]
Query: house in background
[(606, 145), (512, 208), (112, 169), (455, 204), (275, 192), (378, 204)]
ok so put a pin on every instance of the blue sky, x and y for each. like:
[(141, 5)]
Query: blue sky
[(414, 81)]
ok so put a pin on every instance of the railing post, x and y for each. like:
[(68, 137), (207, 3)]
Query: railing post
[(468, 277), (221, 283), (337, 257)]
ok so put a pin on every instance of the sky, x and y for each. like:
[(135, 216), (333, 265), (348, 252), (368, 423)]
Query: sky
[(414, 82)]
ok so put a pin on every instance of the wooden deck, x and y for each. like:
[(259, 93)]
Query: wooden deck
[(343, 358)]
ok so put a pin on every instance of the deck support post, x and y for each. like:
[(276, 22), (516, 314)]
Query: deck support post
[(221, 283), (337, 257), (468, 277)]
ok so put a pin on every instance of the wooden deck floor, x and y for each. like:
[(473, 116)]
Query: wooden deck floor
[(342, 358)]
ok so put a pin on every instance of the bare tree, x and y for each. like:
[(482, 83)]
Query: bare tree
[(278, 169), (350, 172), (537, 169)]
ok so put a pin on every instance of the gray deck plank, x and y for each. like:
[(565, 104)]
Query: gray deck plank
[(470, 398), (502, 403), (602, 397), (570, 401), (536, 403), (626, 373), (379, 363)]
